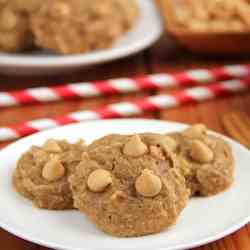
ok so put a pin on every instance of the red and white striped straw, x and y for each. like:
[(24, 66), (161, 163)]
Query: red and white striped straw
[(128, 109), (122, 85)]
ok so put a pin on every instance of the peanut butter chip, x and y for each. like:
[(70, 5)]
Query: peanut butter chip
[(148, 184), (53, 170), (209, 142), (200, 152), (135, 147), (52, 146), (195, 131), (99, 180)]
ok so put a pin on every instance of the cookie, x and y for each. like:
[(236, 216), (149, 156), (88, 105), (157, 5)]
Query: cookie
[(130, 185), (41, 174), (79, 26), (208, 160), (15, 34)]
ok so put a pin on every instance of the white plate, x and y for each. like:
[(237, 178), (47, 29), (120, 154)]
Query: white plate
[(204, 219), (145, 32)]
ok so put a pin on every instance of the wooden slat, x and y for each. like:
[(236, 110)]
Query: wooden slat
[(11, 242)]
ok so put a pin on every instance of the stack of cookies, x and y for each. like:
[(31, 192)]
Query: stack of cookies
[(64, 26), (127, 185)]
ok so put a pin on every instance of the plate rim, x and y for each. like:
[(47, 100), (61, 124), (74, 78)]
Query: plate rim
[(197, 243)]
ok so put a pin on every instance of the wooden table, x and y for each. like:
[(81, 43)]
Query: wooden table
[(164, 56)]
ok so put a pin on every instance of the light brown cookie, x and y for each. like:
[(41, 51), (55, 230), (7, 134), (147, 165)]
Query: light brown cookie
[(79, 26), (42, 173), (207, 159), (129, 185)]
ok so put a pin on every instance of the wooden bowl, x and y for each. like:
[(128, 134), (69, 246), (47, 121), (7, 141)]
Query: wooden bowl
[(203, 42)]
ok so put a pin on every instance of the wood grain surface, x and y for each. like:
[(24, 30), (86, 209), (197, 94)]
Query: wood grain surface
[(165, 56)]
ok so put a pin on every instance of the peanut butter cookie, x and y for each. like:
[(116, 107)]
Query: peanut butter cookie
[(208, 160), (130, 185), (42, 173), (79, 26)]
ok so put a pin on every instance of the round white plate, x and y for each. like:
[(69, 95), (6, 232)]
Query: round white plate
[(145, 32), (202, 221)]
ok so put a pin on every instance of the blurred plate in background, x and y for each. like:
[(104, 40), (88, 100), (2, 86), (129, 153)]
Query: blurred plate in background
[(146, 31)]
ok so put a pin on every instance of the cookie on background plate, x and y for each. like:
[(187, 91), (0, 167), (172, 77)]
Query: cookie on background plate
[(41, 174), (130, 185), (79, 26)]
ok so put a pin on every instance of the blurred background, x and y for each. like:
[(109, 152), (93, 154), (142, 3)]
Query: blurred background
[(160, 47)]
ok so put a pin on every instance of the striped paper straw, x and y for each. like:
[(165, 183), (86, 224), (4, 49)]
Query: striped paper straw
[(128, 109), (122, 85)]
